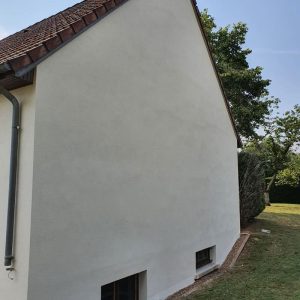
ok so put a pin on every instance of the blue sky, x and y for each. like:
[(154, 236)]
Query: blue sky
[(273, 34)]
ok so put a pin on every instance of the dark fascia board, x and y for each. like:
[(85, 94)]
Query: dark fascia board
[(4, 69), (11, 82), (209, 50)]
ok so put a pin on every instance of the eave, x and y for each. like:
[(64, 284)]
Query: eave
[(18, 71)]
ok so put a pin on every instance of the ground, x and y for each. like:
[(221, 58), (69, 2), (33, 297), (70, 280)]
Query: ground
[(269, 267)]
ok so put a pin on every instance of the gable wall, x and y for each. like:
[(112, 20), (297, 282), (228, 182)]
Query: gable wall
[(17, 288), (135, 157)]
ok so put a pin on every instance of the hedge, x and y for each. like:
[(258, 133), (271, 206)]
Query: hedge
[(251, 182), (285, 194)]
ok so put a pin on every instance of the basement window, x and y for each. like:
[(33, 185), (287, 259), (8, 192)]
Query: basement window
[(203, 257), (124, 289)]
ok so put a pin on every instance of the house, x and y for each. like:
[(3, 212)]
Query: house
[(121, 181)]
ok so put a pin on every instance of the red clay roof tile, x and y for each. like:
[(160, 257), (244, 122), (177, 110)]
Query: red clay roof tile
[(32, 43)]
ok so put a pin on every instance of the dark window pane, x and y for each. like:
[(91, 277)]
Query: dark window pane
[(124, 289), (107, 292), (203, 258)]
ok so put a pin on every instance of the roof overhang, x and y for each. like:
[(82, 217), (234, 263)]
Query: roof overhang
[(18, 71)]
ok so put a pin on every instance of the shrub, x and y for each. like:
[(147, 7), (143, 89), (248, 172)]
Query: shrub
[(285, 194), (252, 184)]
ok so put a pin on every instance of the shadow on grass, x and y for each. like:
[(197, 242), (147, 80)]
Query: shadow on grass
[(269, 267)]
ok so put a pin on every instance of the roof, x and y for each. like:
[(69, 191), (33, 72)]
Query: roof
[(22, 51), (31, 44)]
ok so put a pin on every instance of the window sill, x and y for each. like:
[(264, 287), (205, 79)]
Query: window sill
[(206, 270)]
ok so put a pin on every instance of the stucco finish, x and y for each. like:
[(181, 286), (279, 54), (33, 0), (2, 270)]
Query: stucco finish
[(17, 289), (135, 161), (135, 157)]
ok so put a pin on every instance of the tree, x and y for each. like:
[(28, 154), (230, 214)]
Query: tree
[(244, 87), (282, 136), (251, 105), (291, 174)]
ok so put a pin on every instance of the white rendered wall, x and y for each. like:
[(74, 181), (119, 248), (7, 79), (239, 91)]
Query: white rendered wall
[(135, 163), (17, 289)]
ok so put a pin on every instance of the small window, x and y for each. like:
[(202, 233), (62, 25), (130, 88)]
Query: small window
[(124, 289), (203, 258)]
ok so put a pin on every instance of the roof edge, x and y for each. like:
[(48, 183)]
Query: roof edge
[(5, 68), (209, 50), (19, 65)]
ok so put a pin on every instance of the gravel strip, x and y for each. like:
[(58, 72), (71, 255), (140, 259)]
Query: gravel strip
[(207, 279)]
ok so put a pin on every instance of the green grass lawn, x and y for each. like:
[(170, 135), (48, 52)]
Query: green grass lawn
[(269, 267)]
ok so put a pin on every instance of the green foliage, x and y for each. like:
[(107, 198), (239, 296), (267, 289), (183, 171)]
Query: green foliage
[(252, 182), (277, 148), (291, 174), (251, 105), (245, 88), (264, 150), (286, 129)]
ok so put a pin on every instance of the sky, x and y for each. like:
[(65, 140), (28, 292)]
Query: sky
[(273, 34)]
